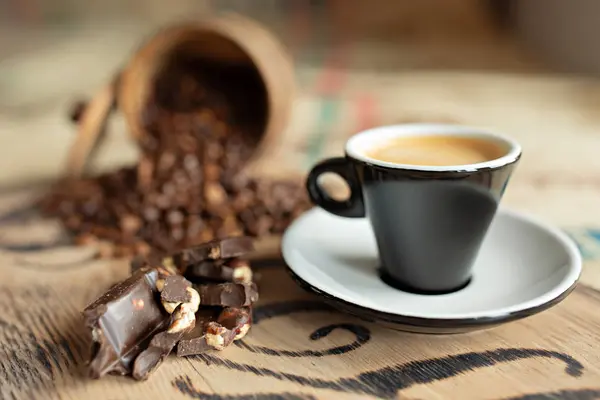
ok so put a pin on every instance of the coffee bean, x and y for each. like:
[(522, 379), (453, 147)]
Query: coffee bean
[(130, 224), (175, 217), (188, 186)]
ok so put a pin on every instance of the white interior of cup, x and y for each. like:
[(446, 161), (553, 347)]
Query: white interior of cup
[(362, 143)]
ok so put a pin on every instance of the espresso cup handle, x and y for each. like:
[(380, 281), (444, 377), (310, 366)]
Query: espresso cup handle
[(353, 207)]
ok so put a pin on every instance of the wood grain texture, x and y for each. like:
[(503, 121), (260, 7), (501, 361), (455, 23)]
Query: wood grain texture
[(299, 348)]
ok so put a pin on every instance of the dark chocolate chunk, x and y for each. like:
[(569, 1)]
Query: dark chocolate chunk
[(204, 315), (216, 337), (193, 346), (232, 324), (193, 341), (175, 289), (122, 321), (239, 269), (228, 294), (158, 349), (236, 270), (214, 250), (211, 270)]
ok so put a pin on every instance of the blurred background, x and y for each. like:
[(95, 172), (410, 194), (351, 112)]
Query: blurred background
[(526, 67)]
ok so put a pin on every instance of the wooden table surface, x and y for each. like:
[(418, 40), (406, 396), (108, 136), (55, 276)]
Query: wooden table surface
[(299, 348)]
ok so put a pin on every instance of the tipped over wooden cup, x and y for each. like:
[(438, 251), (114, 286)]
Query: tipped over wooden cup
[(221, 41)]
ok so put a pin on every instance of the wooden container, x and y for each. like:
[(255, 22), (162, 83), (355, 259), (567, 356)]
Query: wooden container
[(228, 40)]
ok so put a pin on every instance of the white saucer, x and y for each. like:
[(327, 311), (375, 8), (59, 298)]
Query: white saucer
[(524, 267)]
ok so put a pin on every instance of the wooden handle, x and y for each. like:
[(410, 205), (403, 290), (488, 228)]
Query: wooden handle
[(91, 126)]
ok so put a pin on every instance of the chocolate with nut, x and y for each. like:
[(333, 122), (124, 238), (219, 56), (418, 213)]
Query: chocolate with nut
[(217, 249), (232, 270), (150, 359), (158, 349), (232, 324), (194, 339), (174, 289), (237, 320), (123, 321), (181, 301), (216, 337), (228, 294), (138, 322)]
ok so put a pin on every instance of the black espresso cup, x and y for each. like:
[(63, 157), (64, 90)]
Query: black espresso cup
[(429, 220)]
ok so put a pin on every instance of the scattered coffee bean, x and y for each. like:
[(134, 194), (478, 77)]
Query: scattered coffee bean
[(188, 186)]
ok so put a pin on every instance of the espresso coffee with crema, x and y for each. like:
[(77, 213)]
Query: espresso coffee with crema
[(428, 206), (437, 150)]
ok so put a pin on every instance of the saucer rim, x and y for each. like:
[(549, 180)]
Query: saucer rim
[(566, 285), (409, 323)]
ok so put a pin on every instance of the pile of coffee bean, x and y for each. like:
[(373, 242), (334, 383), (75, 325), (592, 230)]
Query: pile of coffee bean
[(189, 185)]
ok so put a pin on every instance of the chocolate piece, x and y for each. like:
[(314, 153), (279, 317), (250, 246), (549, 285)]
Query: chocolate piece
[(240, 270), (236, 270), (150, 359), (192, 347), (228, 294), (158, 349), (183, 321), (184, 317), (203, 316), (175, 290), (214, 250), (122, 322), (211, 270), (232, 324), (233, 318), (237, 320), (193, 341), (216, 337)]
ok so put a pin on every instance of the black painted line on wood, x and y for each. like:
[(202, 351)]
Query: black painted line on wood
[(185, 386), (385, 382), (363, 335), (268, 311)]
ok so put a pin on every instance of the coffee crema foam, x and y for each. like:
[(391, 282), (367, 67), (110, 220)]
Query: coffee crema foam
[(437, 150)]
